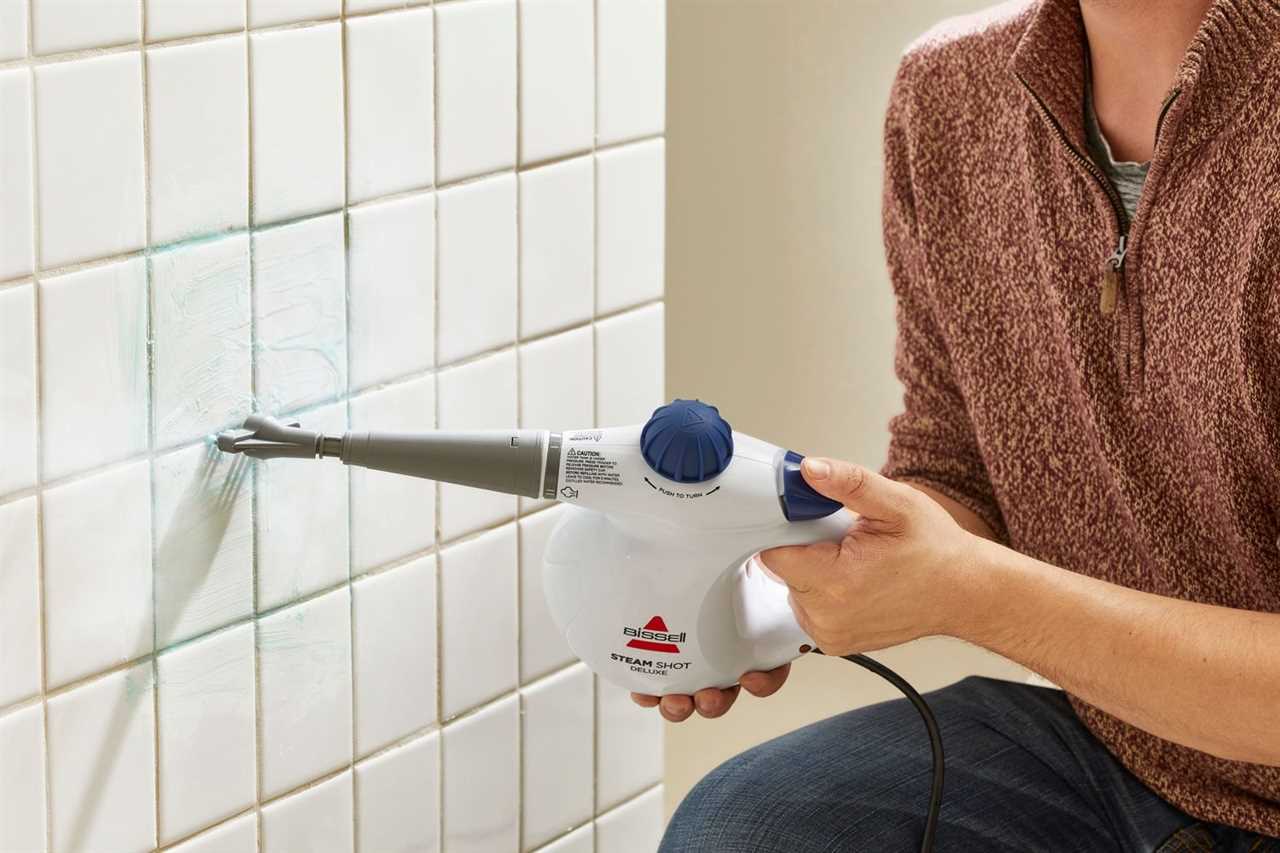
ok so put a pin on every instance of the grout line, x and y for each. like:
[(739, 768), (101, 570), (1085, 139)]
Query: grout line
[(255, 479), (255, 227), (595, 367), (144, 63), (37, 294), (438, 578), (517, 9), (344, 68)]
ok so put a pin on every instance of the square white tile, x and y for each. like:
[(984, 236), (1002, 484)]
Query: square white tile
[(93, 366), (22, 806), (628, 746), (481, 780), (477, 286), (297, 126), (200, 329), (13, 29), (319, 818), (171, 19), (390, 122), (395, 653), (557, 379), (634, 827), (581, 840), (542, 646), (629, 367), (476, 88), (396, 797), (557, 255), (15, 172), (269, 13), (89, 142), (102, 764), (19, 603), (392, 516), (304, 656), (299, 289), (392, 291), (97, 572), (17, 388), (302, 519), (62, 25), (203, 542), (234, 836), (479, 395), (478, 620), (631, 68), (630, 218), (206, 731), (557, 78), (557, 740), (198, 126)]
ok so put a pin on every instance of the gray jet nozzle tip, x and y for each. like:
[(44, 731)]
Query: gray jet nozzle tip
[(227, 440), (266, 438)]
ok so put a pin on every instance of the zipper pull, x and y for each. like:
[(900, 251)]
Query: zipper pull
[(1111, 278)]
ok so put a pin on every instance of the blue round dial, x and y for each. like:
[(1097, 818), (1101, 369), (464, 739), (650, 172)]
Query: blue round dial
[(687, 441)]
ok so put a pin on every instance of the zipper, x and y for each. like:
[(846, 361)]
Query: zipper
[(1113, 266), (1112, 284)]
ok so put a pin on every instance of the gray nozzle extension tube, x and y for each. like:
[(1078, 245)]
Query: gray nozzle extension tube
[(510, 461), (507, 461)]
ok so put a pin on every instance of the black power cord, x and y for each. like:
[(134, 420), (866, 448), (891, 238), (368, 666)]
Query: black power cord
[(935, 740)]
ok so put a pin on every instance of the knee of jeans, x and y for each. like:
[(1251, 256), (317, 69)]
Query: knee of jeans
[(722, 806)]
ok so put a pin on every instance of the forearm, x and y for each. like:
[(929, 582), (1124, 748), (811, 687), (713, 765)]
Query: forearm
[(1202, 676)]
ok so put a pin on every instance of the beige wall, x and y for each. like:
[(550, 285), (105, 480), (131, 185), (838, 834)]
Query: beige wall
[(778, 305)]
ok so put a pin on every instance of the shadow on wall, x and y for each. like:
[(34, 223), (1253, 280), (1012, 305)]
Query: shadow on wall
[(780, 309), (183, 562)]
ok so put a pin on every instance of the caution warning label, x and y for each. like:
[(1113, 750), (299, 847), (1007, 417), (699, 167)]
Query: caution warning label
[(591, 466)]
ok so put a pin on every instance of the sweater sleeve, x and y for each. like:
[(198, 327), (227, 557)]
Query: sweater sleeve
[(932, 441)]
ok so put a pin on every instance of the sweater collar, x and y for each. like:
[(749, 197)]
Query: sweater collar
[(1235, 49)]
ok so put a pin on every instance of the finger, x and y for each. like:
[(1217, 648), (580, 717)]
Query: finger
[(764, 684), (801, 567), (713, 702), (644, 700), (676, 707), (860, 489)]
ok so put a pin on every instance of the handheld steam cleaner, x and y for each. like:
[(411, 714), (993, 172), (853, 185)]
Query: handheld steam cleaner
[(651, 573)]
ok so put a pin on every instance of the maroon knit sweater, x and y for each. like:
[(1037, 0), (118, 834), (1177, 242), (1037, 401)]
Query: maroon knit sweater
[(1139, 444)]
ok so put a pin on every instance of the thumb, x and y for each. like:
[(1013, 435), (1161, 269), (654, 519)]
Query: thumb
[(861, 490)]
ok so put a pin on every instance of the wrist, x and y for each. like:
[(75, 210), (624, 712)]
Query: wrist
[(982, 591)]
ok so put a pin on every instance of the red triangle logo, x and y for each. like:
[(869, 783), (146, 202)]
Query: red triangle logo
[(657, 624)]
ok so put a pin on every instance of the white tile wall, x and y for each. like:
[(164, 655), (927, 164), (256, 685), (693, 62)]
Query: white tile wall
[(17, 388), (89, 146), (385, 213), (22, 782), (198, 120), (15, 172)]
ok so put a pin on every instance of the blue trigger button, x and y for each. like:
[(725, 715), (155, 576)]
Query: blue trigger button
[(687, 441), (799, 501)]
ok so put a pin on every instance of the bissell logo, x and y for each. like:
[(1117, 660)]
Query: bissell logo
[(654, 637)]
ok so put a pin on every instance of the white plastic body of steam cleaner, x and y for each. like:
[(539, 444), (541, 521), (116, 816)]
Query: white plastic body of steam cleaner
[(651, 572)]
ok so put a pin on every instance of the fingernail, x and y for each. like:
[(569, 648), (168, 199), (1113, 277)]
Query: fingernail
[(817, 469)]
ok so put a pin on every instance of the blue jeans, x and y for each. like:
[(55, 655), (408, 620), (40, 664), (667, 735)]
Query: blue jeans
[(1022, 775)]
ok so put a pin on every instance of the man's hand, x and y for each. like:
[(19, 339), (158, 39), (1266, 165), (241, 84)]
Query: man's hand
[(903, 570), (713, 702), (888, 581)]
